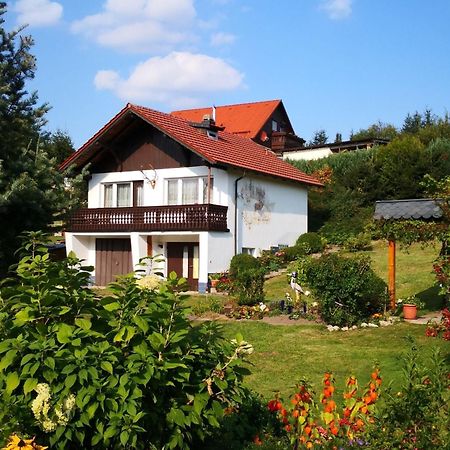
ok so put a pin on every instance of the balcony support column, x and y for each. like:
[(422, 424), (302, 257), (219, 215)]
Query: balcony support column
[(203, 256)]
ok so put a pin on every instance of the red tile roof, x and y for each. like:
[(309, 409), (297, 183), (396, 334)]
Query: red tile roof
[(244, 119), (229, 149)]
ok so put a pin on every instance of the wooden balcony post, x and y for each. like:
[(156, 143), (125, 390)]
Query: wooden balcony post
[(391, 267)]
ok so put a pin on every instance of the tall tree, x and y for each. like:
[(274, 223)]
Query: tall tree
[(33, 194), (320, 137)]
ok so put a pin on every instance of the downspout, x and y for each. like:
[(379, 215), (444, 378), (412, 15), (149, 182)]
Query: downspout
[(236, 213)]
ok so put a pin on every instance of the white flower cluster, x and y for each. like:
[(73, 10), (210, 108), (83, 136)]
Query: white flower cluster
[(151, 282), (41, 409), (243, 348)]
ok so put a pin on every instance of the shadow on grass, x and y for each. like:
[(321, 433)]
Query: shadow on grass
[(432, 299)]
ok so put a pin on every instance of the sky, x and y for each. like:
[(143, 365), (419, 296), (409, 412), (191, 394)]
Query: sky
[(338, 65)]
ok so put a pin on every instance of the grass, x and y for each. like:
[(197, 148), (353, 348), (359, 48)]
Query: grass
[(284, 354), (414, 274)]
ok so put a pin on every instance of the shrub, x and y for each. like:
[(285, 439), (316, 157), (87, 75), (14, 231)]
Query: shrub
[(347, 288), (416, 416), (293, 253), (311, 242), (242, 262), (271, 261), (360, 242), (248, 286), (124, 371)]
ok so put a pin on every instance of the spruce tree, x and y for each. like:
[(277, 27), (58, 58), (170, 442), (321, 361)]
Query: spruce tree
[(33, 194)]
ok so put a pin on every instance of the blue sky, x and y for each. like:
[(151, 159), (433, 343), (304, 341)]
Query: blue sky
[(338, 65)]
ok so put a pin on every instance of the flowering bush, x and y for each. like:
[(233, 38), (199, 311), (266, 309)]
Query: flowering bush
[(309, 425), (441, 268), (441, 328), (347, 288), (124, 371), (17, 443)]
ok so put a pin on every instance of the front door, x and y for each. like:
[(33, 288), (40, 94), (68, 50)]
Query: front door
[(182, 258)]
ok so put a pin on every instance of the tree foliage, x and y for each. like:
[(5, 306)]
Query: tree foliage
[(33, 192), (127, 370)]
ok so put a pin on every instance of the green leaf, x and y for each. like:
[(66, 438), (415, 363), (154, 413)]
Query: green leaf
[(12, 381), (141, 323), (70, 380), (85, 324), (110, 432), (106, 365), (119, 336), (29, 385), (124, 437), (114, 306), (23, 317), (7, 359), (64, 333)]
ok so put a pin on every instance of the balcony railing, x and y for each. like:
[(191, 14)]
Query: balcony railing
[(204, 217)]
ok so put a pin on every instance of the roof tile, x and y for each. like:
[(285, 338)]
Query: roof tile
[(229, 149), (244, 119)]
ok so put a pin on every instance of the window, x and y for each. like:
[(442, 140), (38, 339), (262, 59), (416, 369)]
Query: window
[(188, 191), (108, 195), (248, 251), (172, 192), (123, 194), (275, 125)]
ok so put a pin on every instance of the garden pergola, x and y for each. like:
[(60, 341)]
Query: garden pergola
[(398, 210)]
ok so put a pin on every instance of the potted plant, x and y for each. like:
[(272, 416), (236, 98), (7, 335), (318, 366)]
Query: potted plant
[(214, 279), (410, 306)]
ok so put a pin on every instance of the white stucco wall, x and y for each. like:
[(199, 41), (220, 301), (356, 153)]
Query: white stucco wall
[(270, 213), (316, 153)]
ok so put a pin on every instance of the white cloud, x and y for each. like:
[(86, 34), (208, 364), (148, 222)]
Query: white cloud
[(219, 39), (178, 79), (148, 26), (337, 9), (38, 13)]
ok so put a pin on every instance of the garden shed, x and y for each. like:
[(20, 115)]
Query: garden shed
[(401, 210)]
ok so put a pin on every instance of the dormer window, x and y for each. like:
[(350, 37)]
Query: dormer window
[(212, 134)]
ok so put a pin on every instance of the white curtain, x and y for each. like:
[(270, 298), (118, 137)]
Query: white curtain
[(123, 195), (172, 192), (108, 195), (190, 191)]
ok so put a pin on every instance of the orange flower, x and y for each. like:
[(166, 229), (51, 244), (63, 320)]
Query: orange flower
[(330, 406), (295, 413), (374, 374), (309, 444), (373, 396), (257, 440), (308, 430), (334, 430)]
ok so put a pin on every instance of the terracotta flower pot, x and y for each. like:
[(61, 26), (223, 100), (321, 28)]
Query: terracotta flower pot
[(409, 312), (214, 283)]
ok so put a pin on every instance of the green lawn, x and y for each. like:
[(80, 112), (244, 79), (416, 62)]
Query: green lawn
[(284, 354)]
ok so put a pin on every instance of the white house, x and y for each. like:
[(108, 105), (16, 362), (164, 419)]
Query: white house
[(191, 192)]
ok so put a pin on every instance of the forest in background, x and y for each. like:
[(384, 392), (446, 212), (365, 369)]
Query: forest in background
[(353, 181)]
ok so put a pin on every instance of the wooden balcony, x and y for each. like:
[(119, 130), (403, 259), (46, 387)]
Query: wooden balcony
[(204, 217)]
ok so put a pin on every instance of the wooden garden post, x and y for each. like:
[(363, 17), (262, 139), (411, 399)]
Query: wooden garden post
[(391, 265)]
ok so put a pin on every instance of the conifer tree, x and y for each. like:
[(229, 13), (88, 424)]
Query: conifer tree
[(33, 194)]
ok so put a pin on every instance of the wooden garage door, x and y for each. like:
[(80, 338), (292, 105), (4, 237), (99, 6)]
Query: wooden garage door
[(112, 258)]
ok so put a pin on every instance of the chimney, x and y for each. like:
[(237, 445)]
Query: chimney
[(208, 126)]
